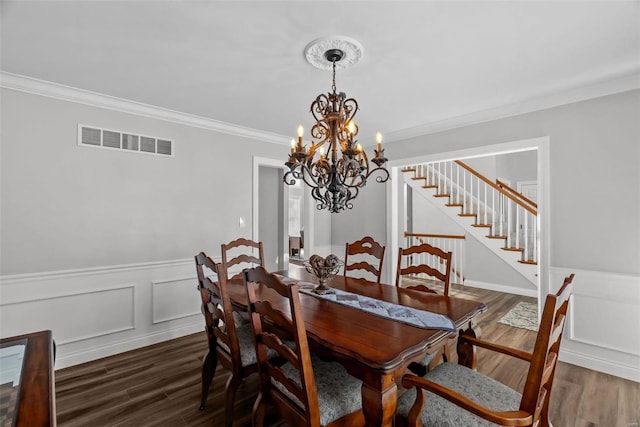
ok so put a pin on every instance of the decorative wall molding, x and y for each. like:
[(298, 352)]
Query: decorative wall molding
[(177, 305), (121, 309), (602, 325), (94, 99), (91, 271), (142, 297), (615, 82), (100, 311)]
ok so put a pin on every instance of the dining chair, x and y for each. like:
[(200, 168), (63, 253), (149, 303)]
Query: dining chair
[(425, 259), (364, 250), (460, 396), (239, 254), (306, 390), (435, 263), (230, 344)]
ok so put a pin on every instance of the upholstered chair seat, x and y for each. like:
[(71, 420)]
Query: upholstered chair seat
[(457, 395), (247, 346), (338, 392), (439, 412)]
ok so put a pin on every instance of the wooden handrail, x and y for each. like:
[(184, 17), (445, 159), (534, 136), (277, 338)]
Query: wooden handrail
[(508, 195), (435, 236), (515, 193)]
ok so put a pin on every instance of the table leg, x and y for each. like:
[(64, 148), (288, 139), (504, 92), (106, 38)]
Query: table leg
[(379, 400), (466, 352)]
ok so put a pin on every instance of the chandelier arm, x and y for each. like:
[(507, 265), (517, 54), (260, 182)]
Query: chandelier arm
[(300, 171)]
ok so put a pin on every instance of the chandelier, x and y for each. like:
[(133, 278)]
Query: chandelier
[(337, 174)]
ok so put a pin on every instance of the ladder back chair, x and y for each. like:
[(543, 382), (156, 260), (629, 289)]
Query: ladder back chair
[(230, 344), (415, 259), (330, 398), (458, 395), (241, 251), (439, 267), (371, 249)]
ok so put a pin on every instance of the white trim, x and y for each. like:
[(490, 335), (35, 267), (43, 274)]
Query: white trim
[(97, 352), (308, 221), (621, 81), (540, 144), (154, 301), (600, 364), (502, 288), (85, 97), (107, 269)]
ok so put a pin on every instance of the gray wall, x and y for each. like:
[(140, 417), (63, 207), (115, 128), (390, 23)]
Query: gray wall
[(594, 173), (66, 206)]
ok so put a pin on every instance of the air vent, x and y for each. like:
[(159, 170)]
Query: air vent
[(125, 141)]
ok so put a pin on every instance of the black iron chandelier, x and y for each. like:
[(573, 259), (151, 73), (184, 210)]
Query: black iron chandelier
[(335, 176)]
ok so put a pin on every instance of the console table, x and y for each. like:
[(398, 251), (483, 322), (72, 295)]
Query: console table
[(27, 380)]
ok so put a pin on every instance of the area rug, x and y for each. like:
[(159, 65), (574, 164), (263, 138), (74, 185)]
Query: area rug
[(524, 315)]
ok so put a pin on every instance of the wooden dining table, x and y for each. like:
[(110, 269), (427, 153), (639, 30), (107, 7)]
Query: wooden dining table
[(375, 349)]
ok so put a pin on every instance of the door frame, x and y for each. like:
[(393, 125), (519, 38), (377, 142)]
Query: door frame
[(307, 219), (395, 202)]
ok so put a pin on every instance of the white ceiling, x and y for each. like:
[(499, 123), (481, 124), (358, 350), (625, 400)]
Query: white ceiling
[(426, 64)]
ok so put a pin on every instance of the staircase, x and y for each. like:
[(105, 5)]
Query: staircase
[(495, 214)]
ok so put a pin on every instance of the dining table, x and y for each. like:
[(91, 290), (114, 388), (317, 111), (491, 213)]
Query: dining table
[(373, 348)]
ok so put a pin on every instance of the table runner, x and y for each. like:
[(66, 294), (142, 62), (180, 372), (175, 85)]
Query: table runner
[(399, 313)]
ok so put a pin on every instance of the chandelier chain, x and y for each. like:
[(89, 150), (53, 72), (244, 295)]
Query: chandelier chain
[(333, 86)]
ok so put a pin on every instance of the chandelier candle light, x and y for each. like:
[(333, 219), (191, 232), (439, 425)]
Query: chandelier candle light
[(335, 177)]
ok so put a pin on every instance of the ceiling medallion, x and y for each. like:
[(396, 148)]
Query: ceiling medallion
[(337, 174), (350, 48)]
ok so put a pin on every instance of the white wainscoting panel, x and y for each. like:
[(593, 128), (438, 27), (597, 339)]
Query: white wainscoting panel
[(173, 299), (75, 316), (98, 312), (602, 331)]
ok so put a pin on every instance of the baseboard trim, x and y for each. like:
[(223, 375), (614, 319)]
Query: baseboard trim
[(94, 353), (607, 366), (502, 288)]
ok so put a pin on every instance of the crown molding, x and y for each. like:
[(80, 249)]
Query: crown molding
[(624, 79), (81, 96), (621, 80)]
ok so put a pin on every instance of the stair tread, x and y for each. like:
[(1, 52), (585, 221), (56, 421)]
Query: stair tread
[(482, 219)]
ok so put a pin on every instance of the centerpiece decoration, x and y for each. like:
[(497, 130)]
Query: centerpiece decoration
[(323, 269)]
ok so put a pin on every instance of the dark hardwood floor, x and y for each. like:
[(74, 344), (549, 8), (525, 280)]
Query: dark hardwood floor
[(159, 385)]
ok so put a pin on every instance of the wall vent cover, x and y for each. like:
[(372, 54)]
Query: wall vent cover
[(125, 141)]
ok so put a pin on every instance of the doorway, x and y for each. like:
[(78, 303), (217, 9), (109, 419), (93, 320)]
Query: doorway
[(396, 207), (279, 212)]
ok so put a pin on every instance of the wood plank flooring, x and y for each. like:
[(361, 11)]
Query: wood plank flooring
[(159, 385)]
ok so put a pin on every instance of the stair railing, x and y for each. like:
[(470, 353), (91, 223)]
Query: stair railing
[(507, 214), (447, 242)]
